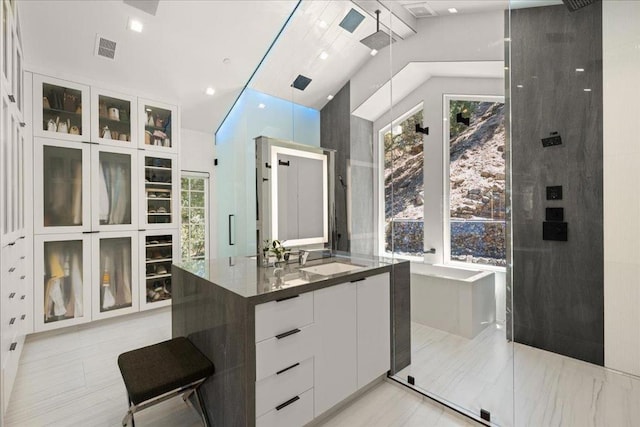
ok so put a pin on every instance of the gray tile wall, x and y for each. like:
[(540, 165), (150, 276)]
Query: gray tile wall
[(558, 302)]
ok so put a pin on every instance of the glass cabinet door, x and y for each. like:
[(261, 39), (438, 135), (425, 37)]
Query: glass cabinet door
[(159, 203), (16, 74), (157, 123), (112, 121), (115, 276), (158, 249), (60, 109), (62, 202), (114, 201), (62, 277)]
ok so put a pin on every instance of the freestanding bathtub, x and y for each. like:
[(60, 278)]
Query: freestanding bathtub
[(455, 300)]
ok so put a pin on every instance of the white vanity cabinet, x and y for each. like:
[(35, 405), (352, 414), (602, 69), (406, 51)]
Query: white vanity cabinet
[(316, 349), (353, 338), (285, 335)]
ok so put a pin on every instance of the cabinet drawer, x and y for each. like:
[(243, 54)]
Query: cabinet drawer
[(284, 350), (296, 413), (276, 317), (280, 387)]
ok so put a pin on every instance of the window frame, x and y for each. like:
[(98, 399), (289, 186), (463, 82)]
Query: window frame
[(446, 181), (206, 177), (381, 196)]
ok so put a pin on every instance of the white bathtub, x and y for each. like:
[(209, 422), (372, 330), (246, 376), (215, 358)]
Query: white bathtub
[(456, 300)]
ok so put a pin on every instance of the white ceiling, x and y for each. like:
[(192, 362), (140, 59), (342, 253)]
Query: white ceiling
[(179, 53), (415, 74), (181, 49), (441, 7)]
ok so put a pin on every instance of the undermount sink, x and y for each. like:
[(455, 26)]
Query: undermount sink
[(331, 268)]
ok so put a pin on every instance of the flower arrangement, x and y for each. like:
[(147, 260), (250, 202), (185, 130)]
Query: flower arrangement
[(277, 248)]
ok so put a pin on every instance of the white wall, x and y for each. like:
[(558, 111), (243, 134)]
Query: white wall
[(621, 63), (197, 153)]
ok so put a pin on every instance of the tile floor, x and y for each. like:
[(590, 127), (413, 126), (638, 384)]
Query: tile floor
[(70, 378)]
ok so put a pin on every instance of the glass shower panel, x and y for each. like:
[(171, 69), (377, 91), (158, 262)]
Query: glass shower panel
[(460, 351)]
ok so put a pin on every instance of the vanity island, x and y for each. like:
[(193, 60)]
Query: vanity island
[(289, 343)]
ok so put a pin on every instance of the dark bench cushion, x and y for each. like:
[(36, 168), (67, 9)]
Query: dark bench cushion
[(151, 371)]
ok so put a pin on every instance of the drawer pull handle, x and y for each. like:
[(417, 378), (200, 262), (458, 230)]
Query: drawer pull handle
[(12, 321), (23, 257), (11, 295), (11, 98), (23, 297), (12, 269), (358, 280), (22, 277), (287, 403), (23, 317), (13, 346), (12, 243), (286, 334), (286, 369), (286, 298)]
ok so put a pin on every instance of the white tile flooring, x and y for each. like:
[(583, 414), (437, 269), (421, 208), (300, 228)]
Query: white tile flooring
[(550, 389), (70, 378)]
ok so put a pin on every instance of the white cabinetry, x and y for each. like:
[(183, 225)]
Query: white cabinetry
[(353, 338), (318, 348), (374, 328), (15, 280), (105, 203), (336, 342)]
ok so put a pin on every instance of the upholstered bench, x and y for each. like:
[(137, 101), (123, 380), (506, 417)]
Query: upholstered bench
[(161, 371)]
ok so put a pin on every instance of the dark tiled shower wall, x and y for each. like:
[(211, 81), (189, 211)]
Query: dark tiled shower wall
[(558, 301)]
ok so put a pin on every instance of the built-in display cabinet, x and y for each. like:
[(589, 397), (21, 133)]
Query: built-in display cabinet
[(60, 109), (157, 249), (105, 203), (160, 191), (157, 128), (15, 265), (114, 279), (112, 121), (62, 290)]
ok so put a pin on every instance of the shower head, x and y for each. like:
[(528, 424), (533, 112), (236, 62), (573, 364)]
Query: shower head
[(574, 5), (379, 39)]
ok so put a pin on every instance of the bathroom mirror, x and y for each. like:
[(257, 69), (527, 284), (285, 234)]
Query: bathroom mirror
[(294, 197)]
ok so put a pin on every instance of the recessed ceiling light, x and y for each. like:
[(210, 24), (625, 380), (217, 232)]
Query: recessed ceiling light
[(261, 106), (322, 24), (374, 52), (579, 70), (587, 90), (519, 86), (324, 55), (330, 97), (135, 25), (210, 91), (148, 109), (452, 10)]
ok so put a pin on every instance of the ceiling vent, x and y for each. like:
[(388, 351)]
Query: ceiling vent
[(420, 10), (301, 82), (351, 20), (105, 48), (574, 5)]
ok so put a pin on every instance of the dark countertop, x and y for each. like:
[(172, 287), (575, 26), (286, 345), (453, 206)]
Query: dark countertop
[(243, 277)]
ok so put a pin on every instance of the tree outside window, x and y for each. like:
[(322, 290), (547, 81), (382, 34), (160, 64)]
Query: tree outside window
[(193, 232)]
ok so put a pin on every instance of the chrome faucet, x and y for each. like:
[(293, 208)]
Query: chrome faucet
[(302, 256), (431, 251)]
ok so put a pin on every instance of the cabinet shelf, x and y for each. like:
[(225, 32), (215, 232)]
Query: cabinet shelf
[(158, 276), (53, 111), (123, 123), (159, 214), (157, 260), (167, 184), (147, 127), (159, 198), (158, 168), (158, 245)]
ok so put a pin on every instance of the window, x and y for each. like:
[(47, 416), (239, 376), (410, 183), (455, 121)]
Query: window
[(403, 186), (194, 228), (476, 151)]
